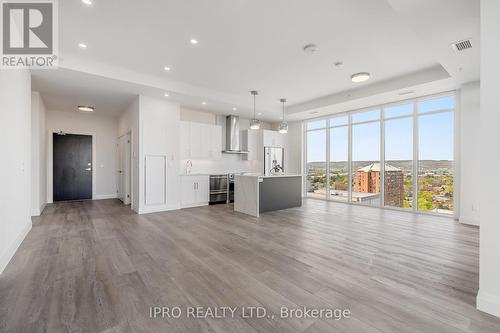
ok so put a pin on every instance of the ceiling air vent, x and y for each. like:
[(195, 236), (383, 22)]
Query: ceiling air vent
[(462, 45)]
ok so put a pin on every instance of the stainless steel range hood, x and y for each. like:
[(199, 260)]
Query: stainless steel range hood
[(233, 141)]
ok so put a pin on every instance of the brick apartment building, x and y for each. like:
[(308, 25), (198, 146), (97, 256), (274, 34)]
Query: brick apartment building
[(367, 180)]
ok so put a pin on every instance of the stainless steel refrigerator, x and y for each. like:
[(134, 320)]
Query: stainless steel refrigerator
[(273, 160)]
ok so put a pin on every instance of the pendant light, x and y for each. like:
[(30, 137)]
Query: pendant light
[(283, 129), (254, 123)]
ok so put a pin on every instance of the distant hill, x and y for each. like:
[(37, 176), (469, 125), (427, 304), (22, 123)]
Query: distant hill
[(403, 165)]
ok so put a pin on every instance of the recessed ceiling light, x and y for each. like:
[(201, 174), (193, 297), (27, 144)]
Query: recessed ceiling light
[(86, 108), (339, 64), (82, 45), (360, 77), (166, 94), (259, 114), (166, 68), (234, 109), (204, 103), (310, 48), (87, 2), (193, 41)]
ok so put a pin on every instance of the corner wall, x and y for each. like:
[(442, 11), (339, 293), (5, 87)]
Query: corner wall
[(15, 169), (470, 189), (38, 155), (488, 298), (129, 122), (159, 123)]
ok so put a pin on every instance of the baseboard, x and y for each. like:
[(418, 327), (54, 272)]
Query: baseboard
[(39, 210), (469, 220), (157, 209), (104, 196), (195, 205), (488, 303), (5, 259)]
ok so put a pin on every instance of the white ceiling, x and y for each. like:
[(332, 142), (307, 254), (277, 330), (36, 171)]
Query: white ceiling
[(245, 45)]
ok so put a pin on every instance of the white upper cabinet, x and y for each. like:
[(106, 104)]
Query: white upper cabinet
[(200, 141), (185, 142), (215, 142)]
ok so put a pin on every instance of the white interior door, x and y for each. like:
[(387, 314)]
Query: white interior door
[(124, 162)]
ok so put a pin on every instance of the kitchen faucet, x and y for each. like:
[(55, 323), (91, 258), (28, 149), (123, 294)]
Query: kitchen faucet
[(189, 165), (276, 167)]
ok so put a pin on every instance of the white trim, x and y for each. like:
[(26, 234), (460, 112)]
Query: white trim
[(488, 303), (469, 220), (194, 205), (104, 196), (7, 256), (156, 209), (50, 169), (38, 211)]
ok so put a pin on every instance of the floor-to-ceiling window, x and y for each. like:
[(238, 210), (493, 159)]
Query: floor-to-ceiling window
[(435, 154), (339, 158), (397, 155), (316, 159), (365, 164)]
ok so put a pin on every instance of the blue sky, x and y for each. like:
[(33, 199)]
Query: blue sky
[(435, 135)]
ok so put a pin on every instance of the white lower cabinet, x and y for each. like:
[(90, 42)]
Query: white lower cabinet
[(194, 190)]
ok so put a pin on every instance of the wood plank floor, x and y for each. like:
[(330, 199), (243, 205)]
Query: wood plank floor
[(97, 267)]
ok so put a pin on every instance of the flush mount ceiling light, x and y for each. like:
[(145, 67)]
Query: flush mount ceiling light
[(254, 123), (360, 77), (82, 45), (283, 129), (87, 2), (166, 94), (86, 108), (166, 68), (310, 48), (204, 103), (193, 41), (234, 109)]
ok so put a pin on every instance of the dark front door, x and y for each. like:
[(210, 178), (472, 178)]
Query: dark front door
[(72, 167)]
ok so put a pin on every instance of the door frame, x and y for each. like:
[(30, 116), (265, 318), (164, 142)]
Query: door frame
[(50, 162), (128, 170)]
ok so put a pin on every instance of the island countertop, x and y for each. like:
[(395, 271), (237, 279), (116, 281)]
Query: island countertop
[(256, 193), (259, 175)]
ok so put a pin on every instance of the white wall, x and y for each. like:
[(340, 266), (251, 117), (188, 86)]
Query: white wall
[(159, 123), (228, 162), (488, 298), (105, 129), (470, 170), (15, 168), (38, 155), (129, 122)]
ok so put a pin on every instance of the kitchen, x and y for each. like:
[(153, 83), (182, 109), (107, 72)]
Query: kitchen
[(216, 149)]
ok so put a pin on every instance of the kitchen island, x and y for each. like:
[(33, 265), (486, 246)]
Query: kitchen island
[(255, 193)]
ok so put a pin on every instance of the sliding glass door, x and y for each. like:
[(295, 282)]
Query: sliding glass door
[(398, 155)]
